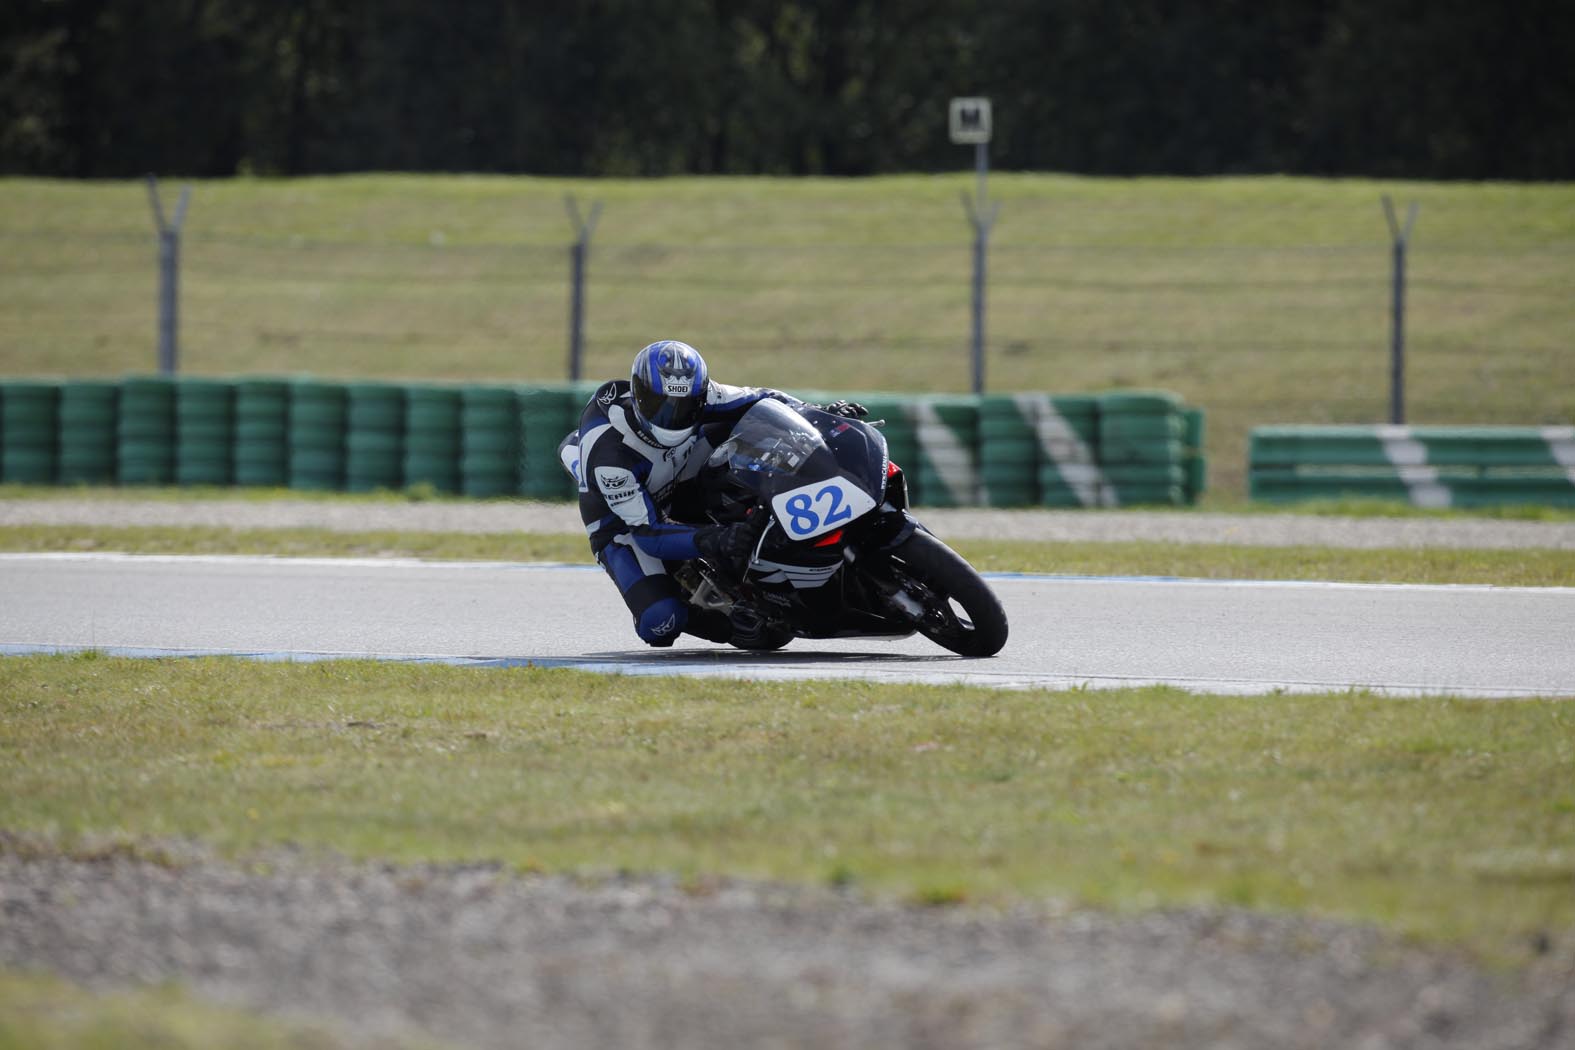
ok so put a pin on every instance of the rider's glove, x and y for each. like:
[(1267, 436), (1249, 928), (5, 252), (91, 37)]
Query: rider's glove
[(850, 409), (727, 547)]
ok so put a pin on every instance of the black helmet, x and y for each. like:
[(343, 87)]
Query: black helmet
[(669, 381)]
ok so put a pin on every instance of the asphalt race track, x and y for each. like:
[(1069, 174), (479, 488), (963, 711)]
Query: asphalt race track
[(1232, 637)]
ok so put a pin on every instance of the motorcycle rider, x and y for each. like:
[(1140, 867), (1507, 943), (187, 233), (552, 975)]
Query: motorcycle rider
[(638, 442)]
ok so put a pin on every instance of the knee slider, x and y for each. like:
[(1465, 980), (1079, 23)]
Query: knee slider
[(662, 622)]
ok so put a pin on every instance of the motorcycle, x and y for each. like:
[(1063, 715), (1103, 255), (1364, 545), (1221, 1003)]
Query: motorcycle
[(839, 555)]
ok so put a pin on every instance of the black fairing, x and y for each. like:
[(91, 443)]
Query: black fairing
[(858, 448), (775, 449)]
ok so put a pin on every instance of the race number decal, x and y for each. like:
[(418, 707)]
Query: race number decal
[(819, 507)]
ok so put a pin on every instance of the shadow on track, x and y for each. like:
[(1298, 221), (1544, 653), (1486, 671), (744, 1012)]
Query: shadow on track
[(728, 657), (676, 661)]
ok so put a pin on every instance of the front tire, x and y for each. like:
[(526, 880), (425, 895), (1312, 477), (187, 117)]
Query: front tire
[(961, 613)]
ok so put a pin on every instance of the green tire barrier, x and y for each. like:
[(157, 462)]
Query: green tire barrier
[(88, 415), (145, 452), (262, 432), (204, 432), (490, 441), (374, 440), (1196, 463), (1001, 450), (947, 469), (432, 438), (546, 414), (29, 423), (1140, 449), (1067, 433), (1009, 450), (316, 436), (1427, 466)]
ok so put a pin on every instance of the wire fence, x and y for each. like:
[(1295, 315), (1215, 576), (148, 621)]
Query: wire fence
[(1254, 334)]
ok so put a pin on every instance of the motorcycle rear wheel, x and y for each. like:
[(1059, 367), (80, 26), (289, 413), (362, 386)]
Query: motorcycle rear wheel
[(769, 640), (943, 582)]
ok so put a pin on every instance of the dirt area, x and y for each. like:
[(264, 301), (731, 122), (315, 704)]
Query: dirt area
[(476, 956)]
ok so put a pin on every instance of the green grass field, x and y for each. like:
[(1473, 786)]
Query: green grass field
[(1263, 300), (38, 1012), (1127, 799)]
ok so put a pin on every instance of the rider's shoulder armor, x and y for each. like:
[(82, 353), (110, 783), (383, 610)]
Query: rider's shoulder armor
[(606, 396)]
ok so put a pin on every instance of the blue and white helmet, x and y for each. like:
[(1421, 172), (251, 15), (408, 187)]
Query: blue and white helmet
[(670, 382)]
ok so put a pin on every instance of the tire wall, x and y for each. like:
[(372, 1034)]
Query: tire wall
[(500, 440), (1427, 466)]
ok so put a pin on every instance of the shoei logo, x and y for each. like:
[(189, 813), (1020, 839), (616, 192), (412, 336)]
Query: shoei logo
[(677, 373)]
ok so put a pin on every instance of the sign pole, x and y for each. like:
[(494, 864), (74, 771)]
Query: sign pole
[(970, 123), (982, 217)]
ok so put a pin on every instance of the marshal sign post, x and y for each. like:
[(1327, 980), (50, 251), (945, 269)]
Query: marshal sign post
[(970, 124)]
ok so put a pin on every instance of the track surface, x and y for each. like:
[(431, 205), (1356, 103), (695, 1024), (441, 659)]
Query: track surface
[(1200, 635)]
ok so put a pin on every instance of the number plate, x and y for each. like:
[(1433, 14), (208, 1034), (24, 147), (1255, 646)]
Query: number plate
[(820, 507)]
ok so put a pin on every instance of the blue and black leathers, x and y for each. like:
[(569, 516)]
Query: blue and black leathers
[(627, 482)]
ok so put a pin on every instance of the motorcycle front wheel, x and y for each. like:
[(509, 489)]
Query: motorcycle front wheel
[(961, 613)]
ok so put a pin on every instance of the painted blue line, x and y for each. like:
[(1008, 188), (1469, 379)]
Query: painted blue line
[(1078, 578), (137, 652)]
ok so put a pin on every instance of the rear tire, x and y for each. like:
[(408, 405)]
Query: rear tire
[(942, 581), (768, 641)]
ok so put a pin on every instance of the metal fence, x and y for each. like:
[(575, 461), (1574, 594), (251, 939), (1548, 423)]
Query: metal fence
[(1258, 333)]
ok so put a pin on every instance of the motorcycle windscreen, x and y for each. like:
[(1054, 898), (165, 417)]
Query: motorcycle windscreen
[(768, 447), (781, 458)]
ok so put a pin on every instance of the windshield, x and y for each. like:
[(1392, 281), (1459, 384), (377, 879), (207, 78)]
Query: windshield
[(771, 441)]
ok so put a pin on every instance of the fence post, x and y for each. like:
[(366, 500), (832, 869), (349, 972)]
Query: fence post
[(169, 274), (1401, 235), (583, 227)]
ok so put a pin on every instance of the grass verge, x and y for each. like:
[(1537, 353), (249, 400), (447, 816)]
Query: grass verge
[(159, 539), (1447, 819), (1523, 568), (44, 1013)]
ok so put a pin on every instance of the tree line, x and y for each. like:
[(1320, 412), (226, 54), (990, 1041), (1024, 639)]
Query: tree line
[(1400, 88)]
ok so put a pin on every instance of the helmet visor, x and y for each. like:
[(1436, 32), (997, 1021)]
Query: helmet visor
[(669, 412), (673, 403)]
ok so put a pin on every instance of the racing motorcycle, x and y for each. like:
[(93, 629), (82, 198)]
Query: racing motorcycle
[(838, 555)]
